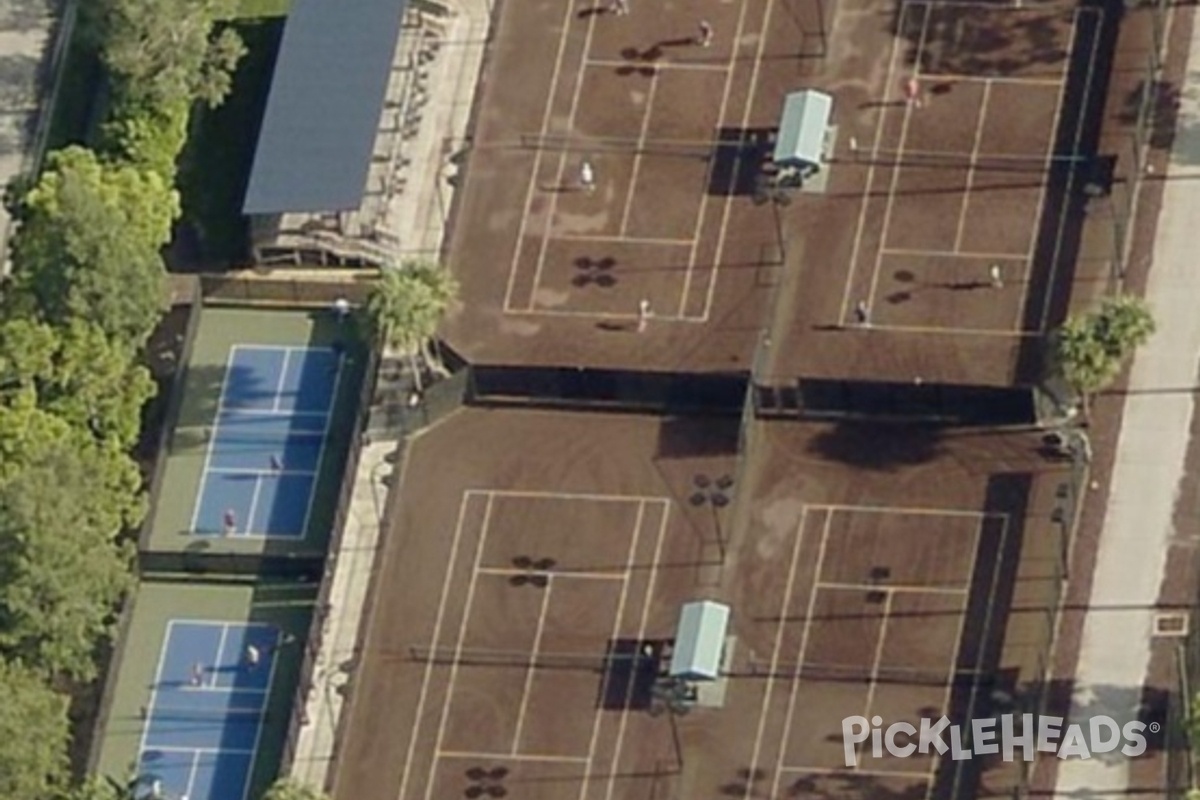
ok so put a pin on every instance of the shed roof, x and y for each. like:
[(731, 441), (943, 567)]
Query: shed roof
[(700, 640)]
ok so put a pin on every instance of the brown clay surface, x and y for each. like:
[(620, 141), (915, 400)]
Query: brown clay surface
[(868, 572), (553, 275)]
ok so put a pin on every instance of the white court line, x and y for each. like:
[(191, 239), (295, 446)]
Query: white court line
[(481, 756), (536, 648), (801, 651), (637, 156), (254, 505), (974, 157), (436, 636), (622, 239), (1062, 220), (600, 498), (261, 473), (647, 602), (195, 767), (869, 183), (880, 640), (983, 643), (896, 168), (615, 631), (461, 638), (945, 77), (208, 446), (900, 251), (557, 574), (287, 356), (544, 243), (262, 719), (547, 113), (848, 772), (730, 71), (776, 647), (635, 65), (542, 312), (719, 253), (162, 660), (899, 589), (216, 676)]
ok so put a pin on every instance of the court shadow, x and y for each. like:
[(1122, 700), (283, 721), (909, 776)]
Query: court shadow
[(629, 676), (879, 447)]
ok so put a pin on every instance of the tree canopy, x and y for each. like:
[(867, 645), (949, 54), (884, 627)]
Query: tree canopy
[(89, 245), (160, 51), (62, 568), (78, 374), (35, 731)]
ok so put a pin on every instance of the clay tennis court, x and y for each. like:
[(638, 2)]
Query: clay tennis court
[(953, 223), (667, 126), (533, 555), (951, 245)]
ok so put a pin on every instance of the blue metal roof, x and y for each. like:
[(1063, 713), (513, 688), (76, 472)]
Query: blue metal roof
[(323, 112)]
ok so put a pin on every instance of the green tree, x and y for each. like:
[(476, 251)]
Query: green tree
[(62, 567), (88, 245), (407, 304), (292, 789), (35, 731), (161, 50), (77, 374), (1090, 349)]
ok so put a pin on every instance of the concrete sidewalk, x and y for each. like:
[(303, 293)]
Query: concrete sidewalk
[(1114, 654)]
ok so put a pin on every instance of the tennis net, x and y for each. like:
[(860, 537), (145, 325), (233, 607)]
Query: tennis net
[(193, 436), (844, 673), (474, 656), (988, 162), (682, 148), (177, 714)]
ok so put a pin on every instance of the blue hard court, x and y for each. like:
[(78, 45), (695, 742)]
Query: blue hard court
[(267, 441), (206, 710)]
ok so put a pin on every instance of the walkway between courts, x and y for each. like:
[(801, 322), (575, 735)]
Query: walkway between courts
[(451, 99), (1114, 655)]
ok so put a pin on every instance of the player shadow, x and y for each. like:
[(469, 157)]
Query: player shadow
[(905, 295), (594, 272)]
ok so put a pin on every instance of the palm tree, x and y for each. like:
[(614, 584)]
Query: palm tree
[(407, 304), (1090, 349)]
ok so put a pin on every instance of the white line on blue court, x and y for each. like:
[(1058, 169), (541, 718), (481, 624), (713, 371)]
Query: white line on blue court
[(287, 355), (220, 651), (208, 447)]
